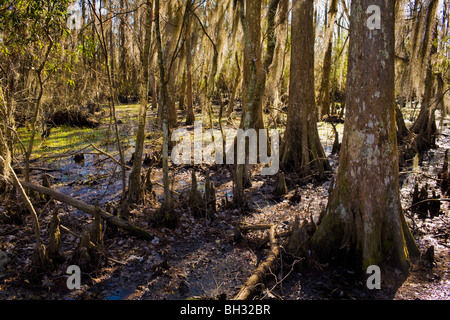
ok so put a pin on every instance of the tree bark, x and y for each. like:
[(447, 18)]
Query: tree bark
[(364, 222), (6, 125), (122, 77), (236, 83), (37, 107), (425, 125), (171, 33), (323, 101), (252, 108), (134, 189), (274, 87), (166, 213), (301, 149), (252, 115), (191, 41)]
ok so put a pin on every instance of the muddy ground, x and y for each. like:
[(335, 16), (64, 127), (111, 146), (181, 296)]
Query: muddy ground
[(201, 258)]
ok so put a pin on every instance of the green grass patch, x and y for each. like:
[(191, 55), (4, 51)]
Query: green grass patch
[(64, 139)]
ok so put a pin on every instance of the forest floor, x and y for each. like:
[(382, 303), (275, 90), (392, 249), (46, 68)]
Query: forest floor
[(200, 258)]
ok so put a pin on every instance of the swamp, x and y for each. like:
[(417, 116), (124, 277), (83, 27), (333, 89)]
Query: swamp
[(136, 138)]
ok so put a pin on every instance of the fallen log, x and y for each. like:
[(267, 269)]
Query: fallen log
[(19, 170), (263, 269), (250, 227), (83, 206), (427, 200), (244, 227)]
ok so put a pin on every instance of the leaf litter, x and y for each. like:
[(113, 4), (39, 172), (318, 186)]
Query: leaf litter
[(200, 259)]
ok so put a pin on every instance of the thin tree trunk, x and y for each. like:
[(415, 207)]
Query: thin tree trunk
[(112, 107), (122, 78), (323, 101), (234, 91), (111, 49), (134, 190), (166, 214), (273, 86), (191, 41), (36, 110), (190, 117), (252, 117), (210, 80), (5, 151), (8, 110)]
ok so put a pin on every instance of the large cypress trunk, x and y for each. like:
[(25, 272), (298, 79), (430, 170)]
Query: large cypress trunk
[(301, 149), (425, 125), (252, 116), (364, 223)]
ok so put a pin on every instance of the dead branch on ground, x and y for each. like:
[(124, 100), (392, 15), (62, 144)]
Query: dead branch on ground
[(263, 269), (83, 206)]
